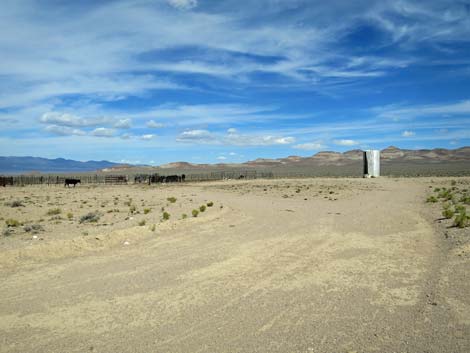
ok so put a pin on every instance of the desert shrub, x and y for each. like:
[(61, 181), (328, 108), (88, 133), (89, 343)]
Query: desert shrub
[(431, 199), (195, 213), (142, 222), (33, 228), (166, 216), (453, 182), (437, 189), (15, 203), (171, 199), (465, 199), (184, 216), (462, 219), (147, 210), (132, 209), (12, 222), (448, 213), (54, 211), (210, 204), (69, 216), (445, 194), (7, 232), (90, 217), (202, 208)]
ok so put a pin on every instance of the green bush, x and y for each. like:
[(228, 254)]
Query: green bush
[(147, 210), (202, 208), (465, 199), (70, 216), (91, 217), (210, 204), (448, 213), (54, 211), (184, 216), (166, 216), (171, 199), (195, 213), (462, 219), (431, 199)]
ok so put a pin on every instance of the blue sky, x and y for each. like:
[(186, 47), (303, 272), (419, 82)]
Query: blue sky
[(158, 81)]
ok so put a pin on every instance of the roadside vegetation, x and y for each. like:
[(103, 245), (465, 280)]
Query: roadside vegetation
[(454, 202)]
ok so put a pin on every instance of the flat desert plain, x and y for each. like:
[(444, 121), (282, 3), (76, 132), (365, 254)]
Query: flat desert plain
[(308, 265)]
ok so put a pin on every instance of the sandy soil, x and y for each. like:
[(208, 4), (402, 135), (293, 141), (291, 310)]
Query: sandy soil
[(313, 265)]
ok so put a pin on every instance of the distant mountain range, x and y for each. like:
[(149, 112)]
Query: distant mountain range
[(389, 156), (23, 165)]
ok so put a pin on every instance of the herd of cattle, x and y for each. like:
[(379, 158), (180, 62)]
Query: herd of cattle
[(138, 179)]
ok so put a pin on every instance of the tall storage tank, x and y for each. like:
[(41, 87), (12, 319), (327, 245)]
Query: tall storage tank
[(371, 164)]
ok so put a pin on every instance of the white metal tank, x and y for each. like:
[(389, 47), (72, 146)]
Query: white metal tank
[(371, 164)]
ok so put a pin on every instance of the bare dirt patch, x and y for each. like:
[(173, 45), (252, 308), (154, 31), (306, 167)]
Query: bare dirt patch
[(367, 268)]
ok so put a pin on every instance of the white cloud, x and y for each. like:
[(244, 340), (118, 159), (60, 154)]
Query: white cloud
[(103, 132), (66, 119), (408, 133), (310, 146), (125, 136), (123, 124), (346, 142), (397, 113), (196, 136), (235, 138), (64, 130), (147, 137), (154, 125), (221, 158), (183, 4)]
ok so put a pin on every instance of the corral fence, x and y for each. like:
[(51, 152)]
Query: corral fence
[(21, 180)]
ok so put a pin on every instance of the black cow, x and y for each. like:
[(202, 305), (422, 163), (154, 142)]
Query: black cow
[(4, 181), (73, 182), (172, 178)]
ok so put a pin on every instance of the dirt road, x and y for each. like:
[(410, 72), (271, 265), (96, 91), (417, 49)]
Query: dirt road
[(361, 269)]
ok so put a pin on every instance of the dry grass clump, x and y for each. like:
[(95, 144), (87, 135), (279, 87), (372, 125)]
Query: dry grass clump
[(171, 199), (54, 212), (210, 204), (202, 208), (142, 222), (147, 210), (166, 216), (15, 203), (90, 217), (195, 213), (12, 222), (33, 228)]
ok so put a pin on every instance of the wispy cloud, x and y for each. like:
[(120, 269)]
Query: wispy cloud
[(310, 146), (64, 130), (103, 132), (408, 133), (154, 125), (346, 142)]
